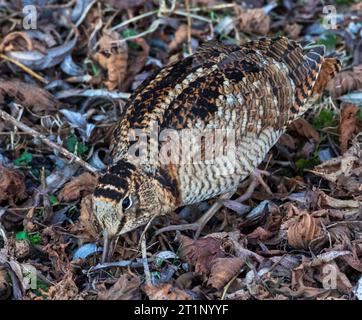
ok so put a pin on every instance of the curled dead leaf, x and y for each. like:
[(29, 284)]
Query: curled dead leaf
[(86, 226), (136, 64), (305, 129), (66, 289), (303, 231), (348, 124), (12, 186), (179, 37), (292, 30), (80, 186), (165, 291), (202, 253), (113, 57), (36, 99), (253, 20), (345, 81), (223, 270), (127, 287)]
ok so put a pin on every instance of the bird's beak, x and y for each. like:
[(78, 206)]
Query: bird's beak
[(109, 244)]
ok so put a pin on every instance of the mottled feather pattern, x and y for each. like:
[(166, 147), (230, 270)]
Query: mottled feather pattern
[(256, 89)]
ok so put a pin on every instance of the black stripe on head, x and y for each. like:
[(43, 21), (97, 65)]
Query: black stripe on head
[(114, 180), (122, 168), (108, 193)]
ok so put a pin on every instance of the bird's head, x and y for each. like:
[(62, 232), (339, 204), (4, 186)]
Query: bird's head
[(127, 197)]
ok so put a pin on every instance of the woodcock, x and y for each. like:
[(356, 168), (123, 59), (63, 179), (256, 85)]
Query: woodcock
[(252, 91)]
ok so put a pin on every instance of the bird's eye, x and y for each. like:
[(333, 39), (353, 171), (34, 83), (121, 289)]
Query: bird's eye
[(126, 203)]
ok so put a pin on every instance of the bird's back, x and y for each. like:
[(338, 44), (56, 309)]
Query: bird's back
[(240, 99)]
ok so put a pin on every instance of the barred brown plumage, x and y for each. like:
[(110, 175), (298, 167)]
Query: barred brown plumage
[(254, 91)]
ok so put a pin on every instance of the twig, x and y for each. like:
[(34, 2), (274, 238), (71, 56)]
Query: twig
[(68, 155), (134, 19), (187, 5), (24, 68)]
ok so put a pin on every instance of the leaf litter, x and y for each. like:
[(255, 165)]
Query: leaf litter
[(70, 83)]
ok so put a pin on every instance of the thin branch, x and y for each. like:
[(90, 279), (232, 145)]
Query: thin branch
[(68, 155), (24, 68)]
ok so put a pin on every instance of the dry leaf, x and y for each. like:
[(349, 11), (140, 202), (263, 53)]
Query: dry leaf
[(305, 129), (137, 64), (127, 287), (86, 226), (348, 125), (253, 20), (303, 231), (79, 187), (179, 37), (260, 234), (165, 291), (202, 253), (345, 81), (36, 99), (66, 289), (113, 57), (292, 30), (12, 186), (223, 270)]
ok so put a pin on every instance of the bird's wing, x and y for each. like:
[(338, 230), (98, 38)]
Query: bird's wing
[(262, 84)]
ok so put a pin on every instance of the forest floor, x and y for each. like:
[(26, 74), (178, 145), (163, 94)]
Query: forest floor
[(67, 69)]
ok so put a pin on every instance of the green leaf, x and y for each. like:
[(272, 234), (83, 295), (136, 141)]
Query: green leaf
[(302, 164), (344, 2), (329, 40), (22, 235), (24, 159), (35, 239), (74, 146), (129, 32), (53, 199), (359, 114), (324, 119)]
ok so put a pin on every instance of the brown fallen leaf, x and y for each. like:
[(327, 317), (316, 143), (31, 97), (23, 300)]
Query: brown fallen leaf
[(202, 253), (12, 186), (345, 81), (136, 64), (165, 291), (293, 30), (8, 42), (305, 129), (253, 20), (86, 226), (180, 36), (260, 234), (80, 186), (127, 287), (66, 289), (113, 57), (304, 229), (348, 125), (36, 99), (223, 270)]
